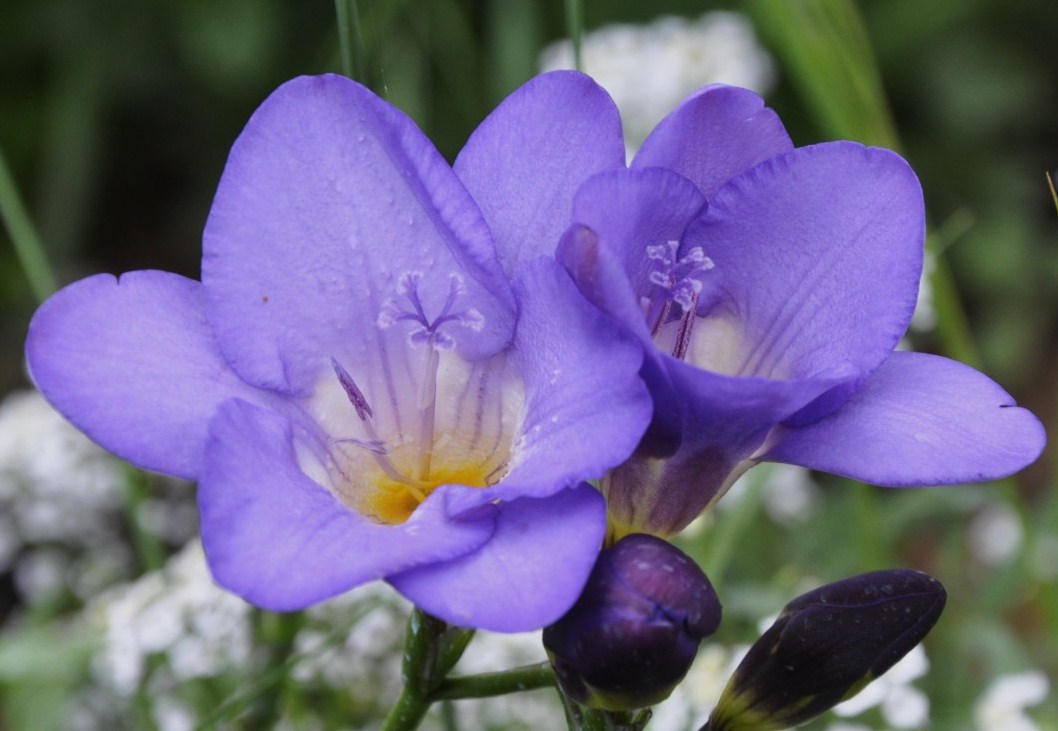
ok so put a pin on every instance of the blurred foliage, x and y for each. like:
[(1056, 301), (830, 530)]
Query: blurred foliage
[(116, 118)]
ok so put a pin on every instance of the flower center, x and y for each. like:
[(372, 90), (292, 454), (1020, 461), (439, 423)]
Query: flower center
[(671, 303), (393, 500), (450, 421)]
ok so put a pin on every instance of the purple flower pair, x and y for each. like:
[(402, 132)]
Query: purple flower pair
[(388, 371)]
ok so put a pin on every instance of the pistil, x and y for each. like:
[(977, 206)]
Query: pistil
[(678, 286), (428, 409), (428, 332)]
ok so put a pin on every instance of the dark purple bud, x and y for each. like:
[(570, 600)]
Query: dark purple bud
[(826, 646), (632, 635)]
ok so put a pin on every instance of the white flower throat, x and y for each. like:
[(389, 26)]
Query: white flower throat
[(447, 421)]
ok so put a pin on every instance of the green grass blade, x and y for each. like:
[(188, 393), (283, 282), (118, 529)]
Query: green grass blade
[(24, 237)]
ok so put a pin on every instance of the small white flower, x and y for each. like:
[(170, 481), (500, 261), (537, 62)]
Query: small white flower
[(171, 715), (649, 69), (906, 707), (693, 700), (178, 613), (996, 534), (62, 505), (902, 705), (924, 318), (790, 496), (1004, 702)]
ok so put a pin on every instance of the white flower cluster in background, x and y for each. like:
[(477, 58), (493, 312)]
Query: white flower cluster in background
[(63, 506), (1004, 702), (58, 492), (167, 628), (789, 495), (924, 318), (902, 705), (174, 628), (353, 644), (693, 700), (996, 534), (649, 69), (177, 612)]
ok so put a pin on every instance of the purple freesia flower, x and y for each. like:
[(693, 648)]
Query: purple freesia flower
[(767, 285), (360, 389)]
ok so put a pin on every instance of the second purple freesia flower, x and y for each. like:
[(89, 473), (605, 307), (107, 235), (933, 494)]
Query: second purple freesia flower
[(767, 285), (360, 389)]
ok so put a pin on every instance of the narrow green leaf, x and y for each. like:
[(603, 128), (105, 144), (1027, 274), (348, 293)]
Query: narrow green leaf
[(350, 41), (24, 237), (575, 28)]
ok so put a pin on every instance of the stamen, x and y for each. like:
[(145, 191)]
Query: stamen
[(493, 476), (356, 396), (373, 444), (683, 335), (658, 312)]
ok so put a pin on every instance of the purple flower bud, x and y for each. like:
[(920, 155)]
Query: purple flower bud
[(632, 635), (826, 646)]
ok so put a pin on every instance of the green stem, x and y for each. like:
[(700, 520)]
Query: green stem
[(149, 549), (825, 46), (574, 714), (407, 713), (486, 685), (276, 634), (28, 247), (575, 26), (583, 718), (350, 42), (431, 648), (595, 720)]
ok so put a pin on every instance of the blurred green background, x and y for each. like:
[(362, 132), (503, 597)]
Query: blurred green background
[(116, 118)]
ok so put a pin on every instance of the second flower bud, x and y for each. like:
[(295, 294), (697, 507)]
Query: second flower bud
[(634, 632)]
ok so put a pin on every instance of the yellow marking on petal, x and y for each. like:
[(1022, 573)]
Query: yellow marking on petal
[(393, 502), (383, 472)]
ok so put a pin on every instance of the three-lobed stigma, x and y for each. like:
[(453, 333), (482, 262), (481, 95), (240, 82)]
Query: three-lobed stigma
[(426, 330), (677, 284)]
